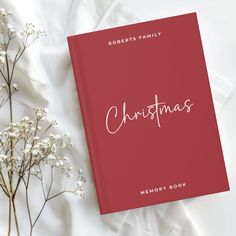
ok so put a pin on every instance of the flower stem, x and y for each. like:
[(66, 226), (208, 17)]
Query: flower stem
[(10, 173), (15, 217), (10, 102), (9, 216)]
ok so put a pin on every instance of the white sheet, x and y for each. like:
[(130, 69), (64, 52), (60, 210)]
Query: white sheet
[(46, 78)]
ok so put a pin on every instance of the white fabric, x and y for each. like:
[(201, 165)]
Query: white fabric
[(45, 76)]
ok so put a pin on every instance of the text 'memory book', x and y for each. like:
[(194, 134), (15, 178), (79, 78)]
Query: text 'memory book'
[(148, 113)]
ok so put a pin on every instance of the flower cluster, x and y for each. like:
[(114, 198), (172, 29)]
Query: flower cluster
[(26, 36), (35, 149), (81, 180), (5, 27), (29, 34), (2, 57), (31, 29), (4, 13), (20, 39)]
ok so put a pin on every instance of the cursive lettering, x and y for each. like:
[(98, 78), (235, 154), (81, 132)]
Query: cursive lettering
[(153, 111)]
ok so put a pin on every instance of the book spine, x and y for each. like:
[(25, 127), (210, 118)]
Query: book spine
[(79, 76)]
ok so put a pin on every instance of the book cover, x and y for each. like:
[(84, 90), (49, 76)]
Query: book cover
[(148, 113)]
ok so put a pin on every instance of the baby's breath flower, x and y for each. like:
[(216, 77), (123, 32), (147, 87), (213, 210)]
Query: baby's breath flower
[(2, 86), (36, 138), (3, 157), (80, 193), (19, 35), (32, 129), (2, 52), (3, 12), (15, 87), (26, 118), (51, 157), (35, 152), (10, 28), (2, 60), (57, 164), (12, 135)]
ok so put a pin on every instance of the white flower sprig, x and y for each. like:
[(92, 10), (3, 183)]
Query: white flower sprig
[(38, 149), (28, 147)]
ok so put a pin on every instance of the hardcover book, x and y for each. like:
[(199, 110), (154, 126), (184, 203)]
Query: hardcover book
[(148, 113)]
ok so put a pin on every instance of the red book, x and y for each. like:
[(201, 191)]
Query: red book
[(148, 113)]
